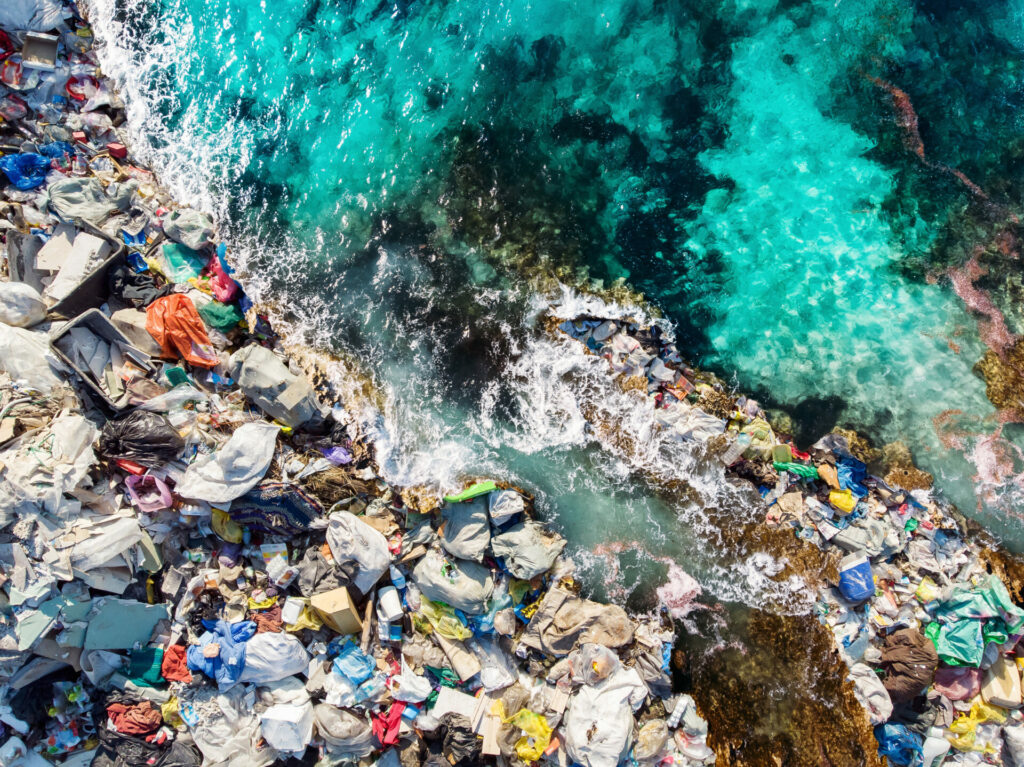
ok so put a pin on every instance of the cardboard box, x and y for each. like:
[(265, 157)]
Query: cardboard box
[(336, 609)]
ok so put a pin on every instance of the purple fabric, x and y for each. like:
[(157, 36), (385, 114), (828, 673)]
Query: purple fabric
[(958, 683), (337, 455)]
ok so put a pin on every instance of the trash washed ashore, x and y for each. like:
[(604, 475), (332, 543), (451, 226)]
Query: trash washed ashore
[(200, 564)]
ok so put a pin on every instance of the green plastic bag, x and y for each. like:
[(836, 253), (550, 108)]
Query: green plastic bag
[(472, 492), (443, 620), (183, 264), (800, 469), (957, 644), (220, 316), (989, 600)]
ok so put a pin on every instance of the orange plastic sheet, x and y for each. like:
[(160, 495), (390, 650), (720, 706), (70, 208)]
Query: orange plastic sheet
[(175, 324)]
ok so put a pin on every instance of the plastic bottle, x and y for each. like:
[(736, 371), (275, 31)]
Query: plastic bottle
[(935, 748), (677, 713), (397, 578), (736, 449)]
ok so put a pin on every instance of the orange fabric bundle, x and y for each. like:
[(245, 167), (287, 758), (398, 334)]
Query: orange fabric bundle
[(175, 324)]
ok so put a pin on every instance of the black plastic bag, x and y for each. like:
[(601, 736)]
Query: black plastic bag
[(460, 746), (137, 289), (142, 437)]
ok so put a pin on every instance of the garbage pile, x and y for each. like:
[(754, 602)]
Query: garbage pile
[(929, 633), (198, 561)]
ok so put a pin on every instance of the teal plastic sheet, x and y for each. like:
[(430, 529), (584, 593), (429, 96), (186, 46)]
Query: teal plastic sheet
[(958, 644), (990, 600), (182, 263)]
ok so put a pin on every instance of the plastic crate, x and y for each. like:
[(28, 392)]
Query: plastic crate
[(97, 322)]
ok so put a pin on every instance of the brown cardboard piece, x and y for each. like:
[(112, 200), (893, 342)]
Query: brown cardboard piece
[(336, 609)]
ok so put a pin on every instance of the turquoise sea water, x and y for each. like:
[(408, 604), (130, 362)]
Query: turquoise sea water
[(392, 176)]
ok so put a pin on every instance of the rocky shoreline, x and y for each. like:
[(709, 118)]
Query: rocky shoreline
[(168, 465)]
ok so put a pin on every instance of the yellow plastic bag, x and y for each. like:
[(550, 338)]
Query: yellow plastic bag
[(443, 620), (308, 619), (536, 732), (966, 727), (225, 527), (842, 501), (927, 590), (169, 711)]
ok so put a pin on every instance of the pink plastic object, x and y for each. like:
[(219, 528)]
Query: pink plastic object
[(225, 289), (149, 493)]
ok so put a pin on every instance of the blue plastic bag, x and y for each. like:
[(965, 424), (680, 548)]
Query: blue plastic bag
[(855, 581), (354, 664), (898, 744), (25, 171), (851, 474), (57, 150)]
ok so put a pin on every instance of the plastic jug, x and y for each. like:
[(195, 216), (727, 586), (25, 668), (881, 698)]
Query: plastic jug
[(935, 748)]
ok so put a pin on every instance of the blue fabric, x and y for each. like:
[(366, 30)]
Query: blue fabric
[(851, 473), (354, 664), (228, 665), (898, 744), (25, 171)]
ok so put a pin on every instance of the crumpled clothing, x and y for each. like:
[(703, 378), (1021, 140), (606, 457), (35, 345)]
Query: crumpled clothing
[(276, 508), (140, 719), (564, 621), (960, 683), (909, 660), (174, 667), (268, 620), (386, 726), (229, 663)]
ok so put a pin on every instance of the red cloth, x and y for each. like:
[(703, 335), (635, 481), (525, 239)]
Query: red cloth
[(385, 726), (139, 719), (173, 668), (176, 325), (268, 620)]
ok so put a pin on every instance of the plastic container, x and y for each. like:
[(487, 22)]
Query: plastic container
[(92, 291), (390, 604), (855, 579), (97, 322), (935, 748)]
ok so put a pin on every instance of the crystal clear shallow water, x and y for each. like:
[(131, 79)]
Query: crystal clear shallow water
[(389, 174)]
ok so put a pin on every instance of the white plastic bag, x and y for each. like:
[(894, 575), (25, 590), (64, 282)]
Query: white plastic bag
[(409, 687), (344, 732), (271, 656), (21, 306), (496, 669), (233, 470), (352, 540), (27, 357), (31, 15), (871, 693), (599, 719), (288, 727)]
